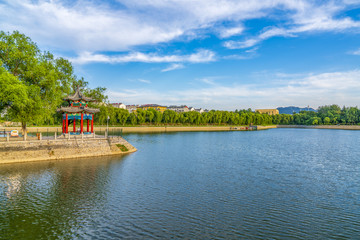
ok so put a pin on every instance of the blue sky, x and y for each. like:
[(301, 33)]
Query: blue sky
[(215, 54)]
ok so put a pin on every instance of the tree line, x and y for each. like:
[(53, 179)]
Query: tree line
[(140, 117), (326, 115)]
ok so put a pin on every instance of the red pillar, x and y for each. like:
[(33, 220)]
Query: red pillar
[(63, 126), (87, 125), (66, 124), (82, 123), (74, 129), (92, 123)]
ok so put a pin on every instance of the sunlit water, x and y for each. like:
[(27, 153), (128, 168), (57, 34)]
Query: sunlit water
[(274, 184)]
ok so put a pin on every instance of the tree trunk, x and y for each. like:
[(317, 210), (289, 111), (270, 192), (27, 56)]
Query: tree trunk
[(23, 128)]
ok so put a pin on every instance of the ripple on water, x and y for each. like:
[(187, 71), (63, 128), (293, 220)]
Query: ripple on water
[(277, 184)]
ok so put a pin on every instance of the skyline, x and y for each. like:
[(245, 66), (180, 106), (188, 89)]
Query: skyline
[(211, 54)]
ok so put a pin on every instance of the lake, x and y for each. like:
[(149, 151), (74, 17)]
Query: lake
[(273, 184)]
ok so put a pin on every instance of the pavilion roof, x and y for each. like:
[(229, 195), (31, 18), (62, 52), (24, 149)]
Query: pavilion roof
[(79, 96), (78, 110)]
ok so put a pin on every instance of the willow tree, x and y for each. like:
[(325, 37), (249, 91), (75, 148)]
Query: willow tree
[(41, 80)]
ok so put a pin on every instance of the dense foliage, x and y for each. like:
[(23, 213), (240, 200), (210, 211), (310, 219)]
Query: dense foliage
[(325, 115), (34, 83)]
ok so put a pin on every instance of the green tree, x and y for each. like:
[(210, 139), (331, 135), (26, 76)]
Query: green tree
[(141, 116), (326, 120), (133, 118), (150, 114), (122, 115), (158, 117), (102, 115), (21, 101), (44, 79), (112, 114)]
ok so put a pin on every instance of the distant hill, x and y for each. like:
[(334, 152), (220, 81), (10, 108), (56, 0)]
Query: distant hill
[(292, 109)]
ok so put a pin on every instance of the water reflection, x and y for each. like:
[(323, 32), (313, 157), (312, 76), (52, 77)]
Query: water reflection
[(52, 199)]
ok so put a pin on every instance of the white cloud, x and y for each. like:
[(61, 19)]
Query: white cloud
[(268, 33), (356, 52), (173, 66), (300, 90), (351, 1), (83, 26), (209, 81), (241, 44), (308, 18), (93, 26), (229, 32), (145, 81), (247, 54), (200, 56), (238, 57)]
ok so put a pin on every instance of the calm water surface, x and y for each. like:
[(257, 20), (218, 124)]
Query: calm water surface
[(274, 184)]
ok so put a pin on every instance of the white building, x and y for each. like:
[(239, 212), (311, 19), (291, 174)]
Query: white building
[(200, 110), (131, 108), (119, 105), (181, 108)]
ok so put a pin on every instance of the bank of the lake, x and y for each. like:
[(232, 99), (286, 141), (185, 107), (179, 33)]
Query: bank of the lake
[(144, 129), (62, 148), (152, 129), (339, 127)]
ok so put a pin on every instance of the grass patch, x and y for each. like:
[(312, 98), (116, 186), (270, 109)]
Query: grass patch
[(122, 147)]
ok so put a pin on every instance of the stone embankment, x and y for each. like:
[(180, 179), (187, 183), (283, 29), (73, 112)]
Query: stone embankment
[(266, 127), (146, 129), (24, 151), (339, 127)]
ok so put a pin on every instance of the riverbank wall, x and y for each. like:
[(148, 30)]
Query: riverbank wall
[(25, 151), (266, 127), (339, 127), (143, 129), (153, 129)]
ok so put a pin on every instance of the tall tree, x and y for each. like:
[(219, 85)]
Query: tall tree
[(43, 79)]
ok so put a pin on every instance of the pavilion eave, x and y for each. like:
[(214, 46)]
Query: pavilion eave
[(78, 110)]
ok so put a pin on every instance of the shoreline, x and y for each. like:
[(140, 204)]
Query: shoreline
[(59, 149), (144, 129), (158, 129), (334, 127)]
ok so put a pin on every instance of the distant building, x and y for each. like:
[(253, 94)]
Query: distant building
[(181, 108), (268, 111), (292, 109), (200, 110), (131, 108), (119, 105), (153, 106)]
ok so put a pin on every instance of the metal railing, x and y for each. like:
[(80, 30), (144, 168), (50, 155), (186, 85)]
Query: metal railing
[(52, 134)]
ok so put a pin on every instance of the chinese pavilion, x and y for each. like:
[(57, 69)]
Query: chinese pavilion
[(78, 110)]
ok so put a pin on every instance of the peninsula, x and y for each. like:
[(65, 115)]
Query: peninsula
[(75, 144)]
